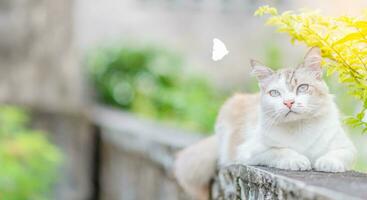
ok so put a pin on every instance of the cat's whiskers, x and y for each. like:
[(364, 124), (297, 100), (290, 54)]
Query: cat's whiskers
[(271, 119)]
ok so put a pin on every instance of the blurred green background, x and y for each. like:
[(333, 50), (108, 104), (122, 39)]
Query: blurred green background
[(151, 82), (25, 156)]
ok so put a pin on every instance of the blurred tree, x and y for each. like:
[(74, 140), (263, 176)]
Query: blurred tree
[(28, 161), (150, 81)]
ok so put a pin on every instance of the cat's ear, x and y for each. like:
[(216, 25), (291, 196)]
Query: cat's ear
[(260, 71), (312, 62)]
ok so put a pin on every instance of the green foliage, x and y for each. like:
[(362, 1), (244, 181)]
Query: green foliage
[(273, 55), (28, 160), (343, 41), (151, 82)]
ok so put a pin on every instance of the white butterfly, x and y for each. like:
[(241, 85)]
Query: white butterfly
[(219, 50)]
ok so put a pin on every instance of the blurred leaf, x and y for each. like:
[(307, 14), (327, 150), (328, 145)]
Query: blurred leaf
[(28, 161), (151, 82)]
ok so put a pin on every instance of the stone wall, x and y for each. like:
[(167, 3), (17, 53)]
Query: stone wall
[(136, 157), (251, 182)]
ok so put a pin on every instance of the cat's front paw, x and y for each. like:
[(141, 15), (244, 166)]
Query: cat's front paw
[(299, 162), (329, 164)]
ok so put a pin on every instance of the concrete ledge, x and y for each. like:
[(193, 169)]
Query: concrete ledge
[(254, 182), (149, 139), (136, 156)]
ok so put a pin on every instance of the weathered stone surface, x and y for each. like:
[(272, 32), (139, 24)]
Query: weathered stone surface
[(137, 153), (255, 182), (137, 156)]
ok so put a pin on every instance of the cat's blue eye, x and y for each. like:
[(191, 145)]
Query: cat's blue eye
[(274, 93), (302, 88)]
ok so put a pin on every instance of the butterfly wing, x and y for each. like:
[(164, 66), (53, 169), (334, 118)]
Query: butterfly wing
[(219, 50)]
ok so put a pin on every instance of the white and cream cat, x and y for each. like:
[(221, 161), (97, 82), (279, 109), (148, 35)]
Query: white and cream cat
[(292, 124)]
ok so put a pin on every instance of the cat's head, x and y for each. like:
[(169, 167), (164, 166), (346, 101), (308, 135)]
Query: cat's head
[(293, 94)]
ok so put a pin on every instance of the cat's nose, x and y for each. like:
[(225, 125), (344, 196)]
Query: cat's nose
[(288, 103)]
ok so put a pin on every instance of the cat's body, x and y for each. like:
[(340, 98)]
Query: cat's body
[(294, 145), (292, 124)]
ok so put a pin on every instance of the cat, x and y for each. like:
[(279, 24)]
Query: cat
[(292, 124)]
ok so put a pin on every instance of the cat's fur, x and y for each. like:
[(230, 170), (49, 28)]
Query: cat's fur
[(294, 128)]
